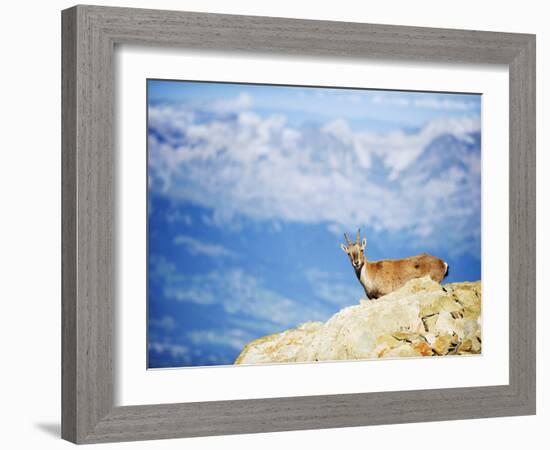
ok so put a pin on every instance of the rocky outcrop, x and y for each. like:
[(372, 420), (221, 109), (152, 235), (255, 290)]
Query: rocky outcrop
[(422, 318)]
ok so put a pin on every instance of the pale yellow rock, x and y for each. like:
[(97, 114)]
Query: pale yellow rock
[(401, 351), (430, 321), (442, 344), (469, 295), (422, 318), (281, 347), (423, 348)]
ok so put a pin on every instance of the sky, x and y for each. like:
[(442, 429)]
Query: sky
[(251, 187)]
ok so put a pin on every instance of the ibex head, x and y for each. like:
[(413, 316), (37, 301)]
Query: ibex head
[(355, 250)]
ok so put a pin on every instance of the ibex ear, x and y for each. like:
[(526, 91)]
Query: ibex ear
[(344, 248), (364, 243)]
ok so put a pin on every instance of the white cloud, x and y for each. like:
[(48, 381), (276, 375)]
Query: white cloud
[(264, 169), (445, 104), (166, 323), (437, 103), (176, 351), (390, 100), (175, 216), (242, 101), (332, 289), (238, 292), (235, 338), (196, 247)]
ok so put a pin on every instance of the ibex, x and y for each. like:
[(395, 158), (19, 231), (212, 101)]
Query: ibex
[(379, 278)]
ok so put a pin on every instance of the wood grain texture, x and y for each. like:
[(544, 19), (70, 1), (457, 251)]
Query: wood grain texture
[(522, 284), (68, 225), (89, 36), (88, 208)]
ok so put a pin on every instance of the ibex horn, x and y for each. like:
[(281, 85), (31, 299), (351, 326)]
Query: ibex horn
[(347, 239), (358, 235)]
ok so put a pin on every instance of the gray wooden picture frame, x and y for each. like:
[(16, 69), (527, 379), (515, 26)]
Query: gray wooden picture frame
[(90, 34)]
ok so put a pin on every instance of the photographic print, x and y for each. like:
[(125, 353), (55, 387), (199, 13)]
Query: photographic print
[(297, 224)]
